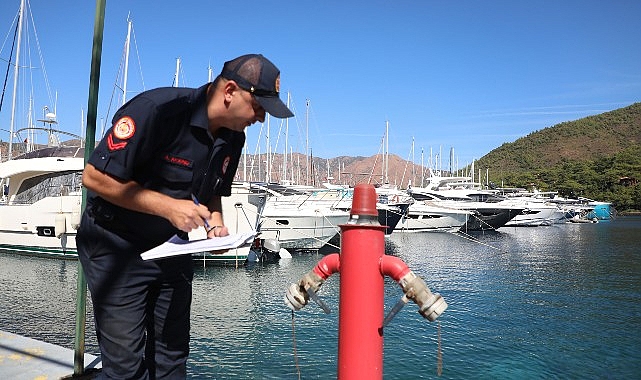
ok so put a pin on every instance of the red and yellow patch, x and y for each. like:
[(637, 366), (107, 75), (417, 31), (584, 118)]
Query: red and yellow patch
[(124, 128), (277, 84), (226, 164)]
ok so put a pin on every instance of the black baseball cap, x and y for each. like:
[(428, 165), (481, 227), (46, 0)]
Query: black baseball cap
[(256, 74)]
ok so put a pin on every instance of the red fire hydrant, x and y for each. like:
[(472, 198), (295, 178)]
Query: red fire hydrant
[(362, 263)]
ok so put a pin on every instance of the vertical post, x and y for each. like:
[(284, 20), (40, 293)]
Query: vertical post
[(360, 324), (90, 141), (16, 71), (126, 69)]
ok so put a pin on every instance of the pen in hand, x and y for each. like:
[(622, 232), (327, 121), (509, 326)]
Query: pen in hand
[(193, 198)]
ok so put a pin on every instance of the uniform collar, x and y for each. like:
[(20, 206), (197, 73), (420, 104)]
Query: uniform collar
[(199, 100)]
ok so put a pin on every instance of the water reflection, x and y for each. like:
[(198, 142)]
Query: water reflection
[(38, 299), (541, 302)]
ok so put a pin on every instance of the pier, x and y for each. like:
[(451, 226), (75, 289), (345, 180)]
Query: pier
[(23, 358)]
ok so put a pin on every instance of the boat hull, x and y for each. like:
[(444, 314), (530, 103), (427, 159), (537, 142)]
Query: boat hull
[(536, 216), (44, 228), (390, 215), (302, 231), (490, 218), (422, 218), (601, 211)]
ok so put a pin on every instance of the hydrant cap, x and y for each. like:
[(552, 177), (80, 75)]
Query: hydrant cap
[(364, 201)]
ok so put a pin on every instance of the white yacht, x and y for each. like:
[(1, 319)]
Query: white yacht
[(41, 200), (488, 211), (428, 216), (536, 211), (302, 219)]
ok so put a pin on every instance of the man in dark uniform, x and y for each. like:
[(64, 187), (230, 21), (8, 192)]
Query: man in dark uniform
[(165, 146)]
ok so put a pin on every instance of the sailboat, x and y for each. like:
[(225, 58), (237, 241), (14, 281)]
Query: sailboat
[(41, 187), (41, 198)]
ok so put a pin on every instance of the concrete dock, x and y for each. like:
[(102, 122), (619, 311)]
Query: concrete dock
[(23, 358)]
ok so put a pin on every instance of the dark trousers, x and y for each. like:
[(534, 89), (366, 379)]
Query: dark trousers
[(141, 308)]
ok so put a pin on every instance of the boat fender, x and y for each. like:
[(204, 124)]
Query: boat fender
[(284, 254), (75, 220), (272, 245), (61, 225)]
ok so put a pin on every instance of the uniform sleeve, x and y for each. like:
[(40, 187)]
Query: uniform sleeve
[(128, 142)]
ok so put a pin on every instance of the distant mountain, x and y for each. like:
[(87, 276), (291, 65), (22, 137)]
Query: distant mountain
[(343, 170)]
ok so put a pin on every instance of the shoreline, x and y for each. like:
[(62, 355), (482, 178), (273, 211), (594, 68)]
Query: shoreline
[(629, 213)]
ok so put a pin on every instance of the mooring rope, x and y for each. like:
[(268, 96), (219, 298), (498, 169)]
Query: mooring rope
[(294, 346)]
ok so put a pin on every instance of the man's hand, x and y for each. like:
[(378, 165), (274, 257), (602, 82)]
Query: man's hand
[(217, 231), (186, 215)]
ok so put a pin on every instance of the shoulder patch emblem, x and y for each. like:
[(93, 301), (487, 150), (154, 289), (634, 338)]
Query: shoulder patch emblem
[(124, 128), (114, 146), (226, 164)]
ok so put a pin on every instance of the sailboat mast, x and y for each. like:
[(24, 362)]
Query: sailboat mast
[(386, 151), (286, 142), (268, 169), (413, 164), (245, 162), (126, 71), (15, 79), (422, 168), (307, 142), (328, 176), (177, 74)]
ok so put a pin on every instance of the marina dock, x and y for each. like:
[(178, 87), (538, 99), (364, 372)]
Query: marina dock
[(23, 358)]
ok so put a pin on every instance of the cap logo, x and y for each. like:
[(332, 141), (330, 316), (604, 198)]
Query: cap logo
[(277, 84), (124, 128)]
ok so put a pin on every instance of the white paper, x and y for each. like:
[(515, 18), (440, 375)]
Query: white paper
[(177, 246)]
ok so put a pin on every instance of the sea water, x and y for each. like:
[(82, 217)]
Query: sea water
[(561, 301)]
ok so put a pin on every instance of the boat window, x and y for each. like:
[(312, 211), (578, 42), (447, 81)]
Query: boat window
[(47, 185)]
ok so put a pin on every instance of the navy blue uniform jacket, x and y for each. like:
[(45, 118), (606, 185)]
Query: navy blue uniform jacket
[(160, 139)]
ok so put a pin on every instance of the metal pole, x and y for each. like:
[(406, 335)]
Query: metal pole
[(90, 142), (16, 71)]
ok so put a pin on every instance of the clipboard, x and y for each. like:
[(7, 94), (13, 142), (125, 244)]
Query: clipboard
[(176, 246)]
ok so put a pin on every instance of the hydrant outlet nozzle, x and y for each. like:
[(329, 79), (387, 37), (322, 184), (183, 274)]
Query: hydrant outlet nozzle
[(430, 305), (434, 308)]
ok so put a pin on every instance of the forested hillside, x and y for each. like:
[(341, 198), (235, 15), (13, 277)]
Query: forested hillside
[(597, 157)]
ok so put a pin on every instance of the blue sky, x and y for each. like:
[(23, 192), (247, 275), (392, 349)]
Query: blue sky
[(471, 75)]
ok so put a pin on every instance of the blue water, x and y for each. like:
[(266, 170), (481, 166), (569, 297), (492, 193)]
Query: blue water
[(524, 303)]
